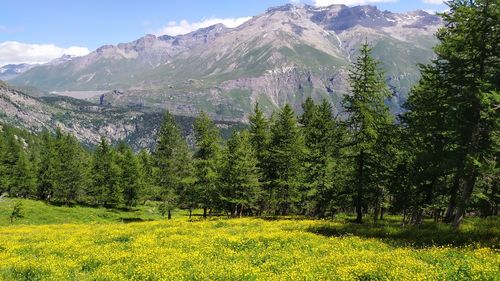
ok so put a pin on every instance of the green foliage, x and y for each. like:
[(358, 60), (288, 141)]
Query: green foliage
[(207, 159), (105, 188), (323, 164), (129, 177), (171, 161), (285, 156), (453, 106), (368, 119), (240, 176), (17, 211), (68, 171)]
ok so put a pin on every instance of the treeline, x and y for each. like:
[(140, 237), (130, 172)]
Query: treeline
[(437, 159)]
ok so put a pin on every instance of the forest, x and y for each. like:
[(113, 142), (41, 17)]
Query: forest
[(438, 159)]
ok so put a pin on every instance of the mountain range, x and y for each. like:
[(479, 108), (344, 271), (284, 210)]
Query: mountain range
[(282, 56)]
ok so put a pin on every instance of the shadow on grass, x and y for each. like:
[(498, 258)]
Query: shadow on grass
[(476, 232), (130, 220)]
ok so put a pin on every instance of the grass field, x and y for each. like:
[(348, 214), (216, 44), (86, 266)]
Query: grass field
[(61, 243)]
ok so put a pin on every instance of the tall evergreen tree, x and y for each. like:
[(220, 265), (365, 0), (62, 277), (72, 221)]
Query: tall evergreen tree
[(240, 175), (285, 156), (17, 177), (465, 89), (105, 187), (368, 115), (172, 160), (321, 168), (23, 181), (68, 169), (207, 161), (130, 178), (9, 157), (46, 171), (259, 139)]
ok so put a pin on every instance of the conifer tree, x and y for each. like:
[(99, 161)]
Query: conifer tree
[(207, 158), (130, 179), (105, 187), (462, 83), (23, 184), (320, 168), (240, 175), (68, 169), (259, 139), (368, 115), (46, 171), (285, 156), (172, 160)]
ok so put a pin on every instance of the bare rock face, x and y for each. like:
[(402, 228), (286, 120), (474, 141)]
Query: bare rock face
[(88, 122), (282, 56), (82, 119)]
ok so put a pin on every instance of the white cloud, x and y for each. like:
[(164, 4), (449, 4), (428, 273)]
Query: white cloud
[(433, 1), (17, 52), (350, 2), (176, 28)]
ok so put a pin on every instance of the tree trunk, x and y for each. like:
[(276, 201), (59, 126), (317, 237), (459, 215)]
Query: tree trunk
[(190, 213), (452, 204), (204, 212), (469, 183), (382, 213), (359, 191), (169, 216), (376, 212)]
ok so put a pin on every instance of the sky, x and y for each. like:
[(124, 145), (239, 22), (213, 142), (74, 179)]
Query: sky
[(35, 31)]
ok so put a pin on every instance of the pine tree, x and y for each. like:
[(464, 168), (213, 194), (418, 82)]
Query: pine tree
[(68, 169), (46, 171), (105, 187), (321, 140), (10, 154), (23, 184), (207, 162), (172, 160), (462, 83), (240, 175), (259, 139), (130, 180), (17, 177), (368, 115), (285, 156)]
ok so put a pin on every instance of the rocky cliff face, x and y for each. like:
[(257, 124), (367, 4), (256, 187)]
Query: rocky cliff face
[(281, 56), (87, 121)]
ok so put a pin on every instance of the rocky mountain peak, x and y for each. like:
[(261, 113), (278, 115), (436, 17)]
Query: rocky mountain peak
[(280, 56)]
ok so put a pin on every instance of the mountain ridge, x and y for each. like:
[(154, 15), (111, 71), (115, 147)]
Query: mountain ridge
[(281, 56)]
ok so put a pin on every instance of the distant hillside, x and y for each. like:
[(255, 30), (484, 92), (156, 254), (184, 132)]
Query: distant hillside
[(87, 121)]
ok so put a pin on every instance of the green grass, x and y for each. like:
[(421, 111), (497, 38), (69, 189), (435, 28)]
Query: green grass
[(80, 243), (476, 232), (38, 212)]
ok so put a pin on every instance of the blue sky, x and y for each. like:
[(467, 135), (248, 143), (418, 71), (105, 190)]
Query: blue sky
[(55, 27)]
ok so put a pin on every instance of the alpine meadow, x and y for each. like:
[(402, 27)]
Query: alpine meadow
[(314, 141)]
